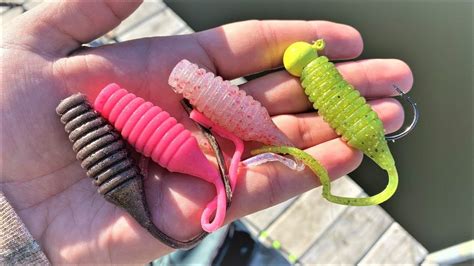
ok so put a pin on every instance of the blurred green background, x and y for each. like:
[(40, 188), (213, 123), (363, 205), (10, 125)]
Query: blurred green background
[(435, 198)]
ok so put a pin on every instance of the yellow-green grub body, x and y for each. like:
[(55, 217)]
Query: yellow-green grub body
[(346, 111)]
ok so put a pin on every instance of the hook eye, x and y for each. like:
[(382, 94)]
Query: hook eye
[(416, 116)]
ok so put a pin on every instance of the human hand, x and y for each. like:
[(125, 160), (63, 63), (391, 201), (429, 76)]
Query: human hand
[(45, 183)]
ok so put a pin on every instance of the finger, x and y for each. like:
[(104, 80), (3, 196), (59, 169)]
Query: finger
[(376, 77), (57, 28), (309, 129), (281, 93), (247, 47), (261, 187)]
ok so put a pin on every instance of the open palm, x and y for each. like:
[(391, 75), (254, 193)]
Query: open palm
[(45, 183)]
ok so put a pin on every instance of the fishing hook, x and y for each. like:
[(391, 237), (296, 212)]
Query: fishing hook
[(416, 116)]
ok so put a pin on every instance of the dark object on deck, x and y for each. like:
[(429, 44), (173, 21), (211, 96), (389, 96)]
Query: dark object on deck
[(103, 154)]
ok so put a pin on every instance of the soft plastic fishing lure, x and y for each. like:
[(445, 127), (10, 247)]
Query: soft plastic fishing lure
[(154, 133), (230, 108), (225, 105), (103, 155), (93, 141), (345, 110)]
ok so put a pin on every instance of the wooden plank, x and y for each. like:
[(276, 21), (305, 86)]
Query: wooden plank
[(395, 246), (17, 2), (30, 4), (299, 226), (350, 237), (11, 4), (238, 81), (184, 30), (163, 23), (10, 14), (457, 254), (253, 229), (101, 41), (263, 218), (144, 12), (13, 1)]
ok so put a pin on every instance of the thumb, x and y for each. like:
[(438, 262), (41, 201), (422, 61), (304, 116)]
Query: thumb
[(57, 28)]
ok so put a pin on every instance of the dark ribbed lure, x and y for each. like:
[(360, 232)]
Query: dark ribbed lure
[(345, 110), (103, 155)]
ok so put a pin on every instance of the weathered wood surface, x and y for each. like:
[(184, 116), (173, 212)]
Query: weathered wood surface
[(307, 219), (7, 14), (395, 246), (29, 4), (262, 219), (152, 18), (349, 237), (147, 10)]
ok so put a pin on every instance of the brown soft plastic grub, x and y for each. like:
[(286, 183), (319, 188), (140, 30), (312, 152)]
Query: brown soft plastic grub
[(103, 155)]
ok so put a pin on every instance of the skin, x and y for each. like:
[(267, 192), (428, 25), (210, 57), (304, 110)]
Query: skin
[(40, 65)]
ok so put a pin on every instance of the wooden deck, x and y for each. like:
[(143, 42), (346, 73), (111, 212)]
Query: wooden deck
[(306, 229), (310, 230)]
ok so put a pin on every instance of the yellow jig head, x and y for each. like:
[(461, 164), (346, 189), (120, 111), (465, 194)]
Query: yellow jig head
[(300, 54)]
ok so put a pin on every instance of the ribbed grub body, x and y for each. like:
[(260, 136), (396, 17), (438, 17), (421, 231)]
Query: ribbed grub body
[(153, 132), (225, 105), (103, 155), (345, 110), (99, 148)]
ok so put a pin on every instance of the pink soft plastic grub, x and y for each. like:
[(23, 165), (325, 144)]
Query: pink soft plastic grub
[(154, 133), (225, 105), (239, 148)]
